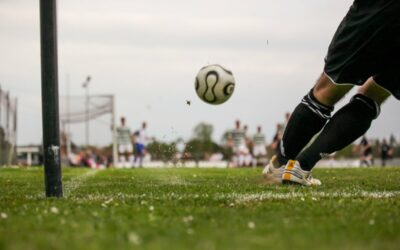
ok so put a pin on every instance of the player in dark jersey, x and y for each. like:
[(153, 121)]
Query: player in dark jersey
[(386, 152), (366, 156), (364, 51)]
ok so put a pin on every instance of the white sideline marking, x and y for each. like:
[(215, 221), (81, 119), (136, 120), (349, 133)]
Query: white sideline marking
[(241, 198), (74, 183)]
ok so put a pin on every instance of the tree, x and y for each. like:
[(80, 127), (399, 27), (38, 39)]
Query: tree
[(161, 151), (203, 132), (202, 145)]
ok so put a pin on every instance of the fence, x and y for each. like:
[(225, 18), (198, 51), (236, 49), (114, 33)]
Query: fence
[(8, 128)]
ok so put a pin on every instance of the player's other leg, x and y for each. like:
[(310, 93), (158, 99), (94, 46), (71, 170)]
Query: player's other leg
[(349, 123), (259, 152), (248, 158), (135, 155), (140, 152), (141, 155), (235, 157), (310, 116), (307, 119), (241, 152), (129, 156), (123, 155)]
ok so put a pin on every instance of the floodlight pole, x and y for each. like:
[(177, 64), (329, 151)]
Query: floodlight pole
[(67, 127), (85, 85), (114, 134), (50, 112)]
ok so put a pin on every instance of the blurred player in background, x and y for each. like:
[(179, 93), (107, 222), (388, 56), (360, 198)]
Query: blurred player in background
[(237, 140), (392, 141), (259, 146), (287, 118), (386, 152), (248, 157), (364, 51), (124, 142), (366, 156), (277, 138), (280, 129), (141, 141)]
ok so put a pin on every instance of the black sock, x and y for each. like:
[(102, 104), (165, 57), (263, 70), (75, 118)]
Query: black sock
[(307, 119), (348, 124)]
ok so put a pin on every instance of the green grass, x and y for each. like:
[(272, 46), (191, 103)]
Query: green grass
[(200, 209)]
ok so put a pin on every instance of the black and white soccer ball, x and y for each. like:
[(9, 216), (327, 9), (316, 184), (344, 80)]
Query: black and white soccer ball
[(214, 84)]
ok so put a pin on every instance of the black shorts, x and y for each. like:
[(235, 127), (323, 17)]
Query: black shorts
[(367, 44)]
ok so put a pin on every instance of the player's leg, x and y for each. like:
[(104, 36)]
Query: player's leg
[(130, 155), (348, 124), (240, 152), (141, 155), (362, 161), (135, 155), (248, 158), (310, 116), (241, 159), (121, 156), (370, 160), (258, 153), (255, 158)]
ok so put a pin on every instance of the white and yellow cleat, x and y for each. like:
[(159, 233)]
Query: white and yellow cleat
[(273, 171), (293, 174)]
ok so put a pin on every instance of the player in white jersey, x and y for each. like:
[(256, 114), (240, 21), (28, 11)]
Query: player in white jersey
[(124, 144), (259, 146), (141, 141), (248, 157), (238, 138)]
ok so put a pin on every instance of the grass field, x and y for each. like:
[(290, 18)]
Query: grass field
[(200, 209)]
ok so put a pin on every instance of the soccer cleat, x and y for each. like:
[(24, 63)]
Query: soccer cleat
[(293, 174), (273, 171)]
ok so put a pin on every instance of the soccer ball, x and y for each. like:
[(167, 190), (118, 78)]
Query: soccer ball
[(214, 84)]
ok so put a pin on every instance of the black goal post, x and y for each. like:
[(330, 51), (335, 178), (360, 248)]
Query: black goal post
[(50, 112)]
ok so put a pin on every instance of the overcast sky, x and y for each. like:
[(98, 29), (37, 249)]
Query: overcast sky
[(147, 54)]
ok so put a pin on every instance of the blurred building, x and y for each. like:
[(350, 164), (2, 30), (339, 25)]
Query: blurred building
[(30, 155)]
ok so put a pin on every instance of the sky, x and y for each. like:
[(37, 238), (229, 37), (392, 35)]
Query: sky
[(147, 54)]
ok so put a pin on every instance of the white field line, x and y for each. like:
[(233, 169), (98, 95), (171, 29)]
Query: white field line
[(240, 198), (75, 182), (244, 198)]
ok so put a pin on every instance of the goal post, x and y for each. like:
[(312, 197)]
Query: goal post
[(8, 128), (75, 110), (50, 111)]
